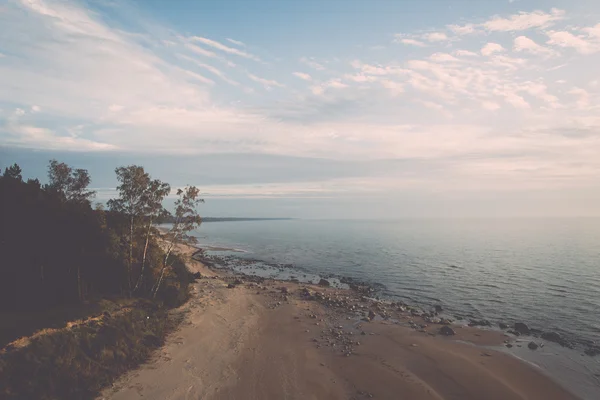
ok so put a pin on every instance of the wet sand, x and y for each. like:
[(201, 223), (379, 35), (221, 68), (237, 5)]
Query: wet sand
[(275, 340)]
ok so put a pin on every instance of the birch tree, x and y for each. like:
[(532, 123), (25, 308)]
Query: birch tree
[(186, 220), (70, 183), (134, 184), (153, 209)]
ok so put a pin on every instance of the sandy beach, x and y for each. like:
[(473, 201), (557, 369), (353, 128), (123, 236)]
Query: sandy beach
[(247, 339)]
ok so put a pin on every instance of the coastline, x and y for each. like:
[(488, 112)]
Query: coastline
[(249, 337)]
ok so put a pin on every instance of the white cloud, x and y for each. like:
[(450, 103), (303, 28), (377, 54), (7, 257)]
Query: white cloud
[(312, 63), (394, 88), (490, 105), (360, 78), (236, 42), (222, 47), (198, 77), (302, 75), (267, 83), (523, 21), (435, 37), (135, 92), (35, 109), (540, 91), (525, 44), (567, 39), (443, 57), (199, 50), (514, 23), (411, 42), (583, 97), (491, 48), (462, 29), (208, 67), (465, 53)]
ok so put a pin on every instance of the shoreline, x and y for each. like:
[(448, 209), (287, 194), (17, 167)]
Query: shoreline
[(554, 356), (250, 337)]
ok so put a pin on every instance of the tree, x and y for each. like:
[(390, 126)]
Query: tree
[(132, 199), (153, 209), (13, 172), (186, 220), (69, 183)]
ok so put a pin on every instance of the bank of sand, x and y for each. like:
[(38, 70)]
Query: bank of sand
[(255, 341)]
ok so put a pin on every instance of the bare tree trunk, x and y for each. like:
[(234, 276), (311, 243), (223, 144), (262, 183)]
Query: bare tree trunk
[(162, 271), (144, 257), (130, 255)]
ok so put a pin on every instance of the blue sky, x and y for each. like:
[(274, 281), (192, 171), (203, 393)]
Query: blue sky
[(314, 108)]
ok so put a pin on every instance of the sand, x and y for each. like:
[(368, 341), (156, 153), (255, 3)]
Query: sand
[(256, 342)]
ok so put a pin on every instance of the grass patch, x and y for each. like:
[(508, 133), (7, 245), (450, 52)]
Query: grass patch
[(77, 361)]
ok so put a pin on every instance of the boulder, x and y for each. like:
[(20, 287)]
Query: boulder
[(371, 316), (196, 275), (533, 345), (553, 337), (592, 351), (522, 328), (438, 308), (230, 286), (479, 322), (502, 325), (447, 331), (324, 282)]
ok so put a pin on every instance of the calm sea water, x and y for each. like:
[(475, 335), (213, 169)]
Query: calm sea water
[(545, 272)]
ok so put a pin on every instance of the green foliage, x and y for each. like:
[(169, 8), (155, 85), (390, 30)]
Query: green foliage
[(57, 250), (13, 172), (59, 253), (68, 183), (77, 362)]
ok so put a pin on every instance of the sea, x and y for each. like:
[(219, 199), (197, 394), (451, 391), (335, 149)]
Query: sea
[(544, 272)]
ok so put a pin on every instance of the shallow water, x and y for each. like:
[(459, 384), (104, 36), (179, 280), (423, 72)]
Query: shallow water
[(545, 272)]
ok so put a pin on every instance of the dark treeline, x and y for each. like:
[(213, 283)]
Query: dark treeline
[(56, 249)]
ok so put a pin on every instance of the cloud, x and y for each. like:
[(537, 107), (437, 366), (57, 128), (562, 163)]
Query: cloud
[(302, 75), (198, 77), (566, 39), (267, 83), (411, 42), (523, 21), (435, 37), (462, 29), (465, 53), (222, 47), (394, 88), (155, 91), (320, 89), (208, 67), (312, 63), (525, 44), (443, 57), (236, 42), (490, 105), (583, 97), (199, 50), (491, 48), (514, 23)]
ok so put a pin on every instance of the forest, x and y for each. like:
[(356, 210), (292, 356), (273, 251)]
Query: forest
[(59, 249)]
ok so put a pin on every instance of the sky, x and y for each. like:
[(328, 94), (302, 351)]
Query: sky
[(314, 109)]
